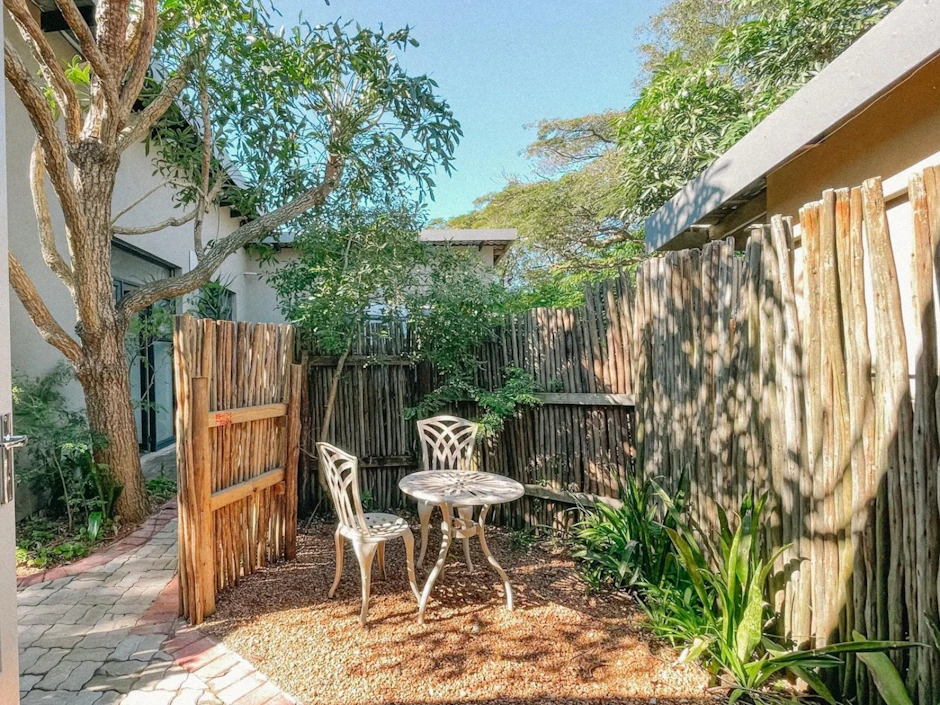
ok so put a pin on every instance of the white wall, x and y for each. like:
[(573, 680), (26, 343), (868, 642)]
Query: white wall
[(260, 300), (173, 246)]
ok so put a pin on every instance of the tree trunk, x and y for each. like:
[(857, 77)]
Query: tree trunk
[(106, 382), (328, 411)]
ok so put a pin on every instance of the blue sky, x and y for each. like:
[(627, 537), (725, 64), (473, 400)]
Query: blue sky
[(503, 64)]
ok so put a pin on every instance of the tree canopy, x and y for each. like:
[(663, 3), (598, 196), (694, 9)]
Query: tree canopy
[(713, 69), (274, 123)]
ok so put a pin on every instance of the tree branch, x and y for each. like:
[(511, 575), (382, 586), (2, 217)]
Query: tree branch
[(140, 49), (205, 167), (148, 117), (91, 51), (219, 250), (54, 157), (52, 72), (50, 253), (137, 202), (48, 327), (156, 227)]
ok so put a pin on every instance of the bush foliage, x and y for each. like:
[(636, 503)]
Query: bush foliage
[(710, 595)]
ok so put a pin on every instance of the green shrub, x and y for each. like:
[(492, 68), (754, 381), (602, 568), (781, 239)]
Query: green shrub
[(162, 487), (627, 546), (59, 467), (58, 464), (730, 579), (41, 543), (709, 596)]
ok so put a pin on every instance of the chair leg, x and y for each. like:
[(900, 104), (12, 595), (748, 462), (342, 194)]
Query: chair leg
[(424, 516), (382, 561), (339, 562), (410, 561), (466, 513), (365, 553)]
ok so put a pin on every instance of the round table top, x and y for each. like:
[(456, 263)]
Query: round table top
[(467, 488)]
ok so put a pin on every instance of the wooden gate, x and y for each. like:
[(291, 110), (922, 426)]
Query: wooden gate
[(238, 440)]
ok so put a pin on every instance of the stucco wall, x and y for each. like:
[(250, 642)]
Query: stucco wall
[(896, 132)]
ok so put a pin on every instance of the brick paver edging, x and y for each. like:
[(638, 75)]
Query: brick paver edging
[(142, 535), (225, 676), (231, 678)]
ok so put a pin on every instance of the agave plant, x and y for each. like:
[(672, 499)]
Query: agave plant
[(627, 546), (731, 581)]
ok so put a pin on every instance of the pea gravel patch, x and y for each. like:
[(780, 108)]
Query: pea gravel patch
[(559, 645)]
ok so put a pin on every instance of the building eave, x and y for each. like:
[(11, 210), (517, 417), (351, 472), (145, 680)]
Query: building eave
[(878, 61)]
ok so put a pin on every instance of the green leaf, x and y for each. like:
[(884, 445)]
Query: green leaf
[(751, 627), (885, 675), (814, 682)]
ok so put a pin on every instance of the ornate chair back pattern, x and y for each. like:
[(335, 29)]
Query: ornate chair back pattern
[(447, 442), (342, 476)]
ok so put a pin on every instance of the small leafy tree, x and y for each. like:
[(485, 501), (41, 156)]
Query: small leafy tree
[(234, 111), (456, 310), (352, 268)]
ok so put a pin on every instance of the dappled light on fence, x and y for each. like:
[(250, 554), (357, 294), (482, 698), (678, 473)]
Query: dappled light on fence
[(787, 372)]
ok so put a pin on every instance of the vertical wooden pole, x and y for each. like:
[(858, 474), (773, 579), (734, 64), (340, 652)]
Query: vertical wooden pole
[(202, 476), (293, 458)]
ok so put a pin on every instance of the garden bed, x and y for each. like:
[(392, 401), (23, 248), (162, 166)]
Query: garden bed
[(560, 645), (43, 543)]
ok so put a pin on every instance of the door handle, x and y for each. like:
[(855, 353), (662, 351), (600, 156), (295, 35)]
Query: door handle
[(11, 442), (8, 442)]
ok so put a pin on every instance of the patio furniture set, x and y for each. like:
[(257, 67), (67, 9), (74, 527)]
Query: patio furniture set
[(447, 482)]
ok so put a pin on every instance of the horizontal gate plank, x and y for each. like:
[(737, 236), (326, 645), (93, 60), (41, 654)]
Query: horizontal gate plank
[(225, 497), (246, 414)]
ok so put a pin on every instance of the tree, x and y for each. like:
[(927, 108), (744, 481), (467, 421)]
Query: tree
[(568, 232), (713, 70), (209, 85), (351, 269), (691, 112), (689, 29)]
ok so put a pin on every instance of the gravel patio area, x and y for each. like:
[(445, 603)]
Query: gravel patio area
[(559, 646)]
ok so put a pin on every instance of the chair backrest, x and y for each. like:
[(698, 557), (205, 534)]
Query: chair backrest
[(342, 477), (447, 442)]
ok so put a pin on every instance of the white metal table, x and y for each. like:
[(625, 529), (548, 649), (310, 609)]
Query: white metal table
[(461, 488)]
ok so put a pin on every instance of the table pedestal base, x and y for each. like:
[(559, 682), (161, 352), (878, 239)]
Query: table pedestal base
[(463, 527)]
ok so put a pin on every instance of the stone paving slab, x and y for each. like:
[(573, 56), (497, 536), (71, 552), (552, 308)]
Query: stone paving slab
[(104, 631)]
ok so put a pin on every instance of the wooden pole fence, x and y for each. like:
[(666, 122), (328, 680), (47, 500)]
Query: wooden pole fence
[(238, 407)]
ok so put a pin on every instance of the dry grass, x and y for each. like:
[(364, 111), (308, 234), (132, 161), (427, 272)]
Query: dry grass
[(559, 646)]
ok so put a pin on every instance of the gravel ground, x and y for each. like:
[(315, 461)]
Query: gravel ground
[(558, 646)]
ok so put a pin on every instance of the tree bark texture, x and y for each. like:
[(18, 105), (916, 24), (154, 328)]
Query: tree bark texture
[(106, 383)]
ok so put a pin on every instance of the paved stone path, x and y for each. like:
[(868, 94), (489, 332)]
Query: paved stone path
[(104, 631)]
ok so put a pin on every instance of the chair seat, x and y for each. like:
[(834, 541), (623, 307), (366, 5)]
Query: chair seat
[(382, 527)]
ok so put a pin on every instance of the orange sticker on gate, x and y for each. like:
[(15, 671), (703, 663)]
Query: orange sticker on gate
[(223, 419)]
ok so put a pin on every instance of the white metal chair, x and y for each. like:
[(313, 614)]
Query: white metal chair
[(367, 532), (447, 443)]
